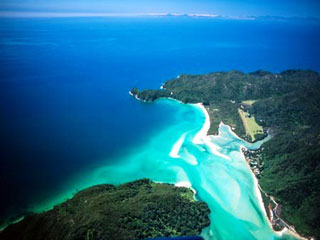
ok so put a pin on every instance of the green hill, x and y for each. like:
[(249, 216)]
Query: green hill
[(136, 210)]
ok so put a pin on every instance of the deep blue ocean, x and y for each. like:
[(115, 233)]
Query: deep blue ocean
[(64, 85)]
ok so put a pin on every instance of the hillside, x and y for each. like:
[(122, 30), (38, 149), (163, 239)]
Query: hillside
[(136, 210), (287, 106)]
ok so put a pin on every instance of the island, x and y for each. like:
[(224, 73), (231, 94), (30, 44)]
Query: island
[(285, 106), (135, 210)]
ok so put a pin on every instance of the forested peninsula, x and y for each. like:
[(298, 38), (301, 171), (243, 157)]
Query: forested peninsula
[(284, 105), (137, 210)]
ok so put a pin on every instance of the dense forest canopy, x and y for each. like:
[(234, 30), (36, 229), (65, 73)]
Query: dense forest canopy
[(135, 210)]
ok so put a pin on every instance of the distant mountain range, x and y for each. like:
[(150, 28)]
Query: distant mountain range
[(194, 15)]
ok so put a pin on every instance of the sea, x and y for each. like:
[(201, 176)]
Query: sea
[(67, 121)]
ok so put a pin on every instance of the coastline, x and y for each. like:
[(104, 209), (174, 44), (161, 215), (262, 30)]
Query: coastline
[(256, 183), (187, 184), (288, 228), (203, 133), (202, 137), (134, 95), (257, 190)]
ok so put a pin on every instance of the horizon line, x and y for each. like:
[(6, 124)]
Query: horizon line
[(52, 14)]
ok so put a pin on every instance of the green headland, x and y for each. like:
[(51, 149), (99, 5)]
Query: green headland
[(136, 210)]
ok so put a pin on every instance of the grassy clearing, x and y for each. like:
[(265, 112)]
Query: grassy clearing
[(249, 102), (251, 126)]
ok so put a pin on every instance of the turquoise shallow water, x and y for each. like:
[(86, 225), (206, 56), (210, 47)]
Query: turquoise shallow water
[(213, 166)]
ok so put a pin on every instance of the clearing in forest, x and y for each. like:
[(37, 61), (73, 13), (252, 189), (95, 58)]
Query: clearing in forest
[(251, 126)]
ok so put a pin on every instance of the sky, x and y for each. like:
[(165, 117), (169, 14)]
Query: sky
[(241, 8)]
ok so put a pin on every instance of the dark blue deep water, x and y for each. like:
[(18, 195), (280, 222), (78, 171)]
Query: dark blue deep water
[(64, 86)]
